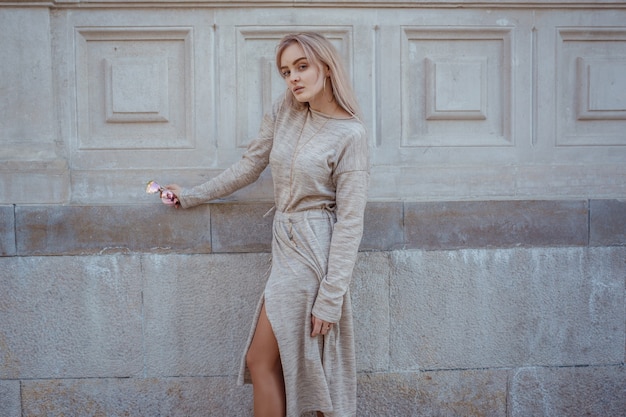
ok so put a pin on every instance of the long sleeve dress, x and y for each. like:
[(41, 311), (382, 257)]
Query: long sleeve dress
[(320, 170)]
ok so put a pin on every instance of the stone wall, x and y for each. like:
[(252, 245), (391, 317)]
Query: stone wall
[(492, 308), (491, 279)]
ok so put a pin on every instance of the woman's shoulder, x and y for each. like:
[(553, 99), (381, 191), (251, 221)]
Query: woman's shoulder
[(351, 128), (283, 110)]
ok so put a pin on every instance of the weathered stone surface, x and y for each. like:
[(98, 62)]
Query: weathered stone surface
[(7, 231), (236, 227), (370, 305), (607, 223), (383, 226), (241, 227), (568, 392), (70, 230), (34, 182), (198, 311), (172, 397), (469, 393), (507, 308), (31, 171), (10, 402), (70, 317), (458, 224), (27, 115)]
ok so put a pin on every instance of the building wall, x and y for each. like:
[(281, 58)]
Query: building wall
[(492, 275)]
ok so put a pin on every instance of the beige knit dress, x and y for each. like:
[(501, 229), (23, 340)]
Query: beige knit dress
[(320, 168)]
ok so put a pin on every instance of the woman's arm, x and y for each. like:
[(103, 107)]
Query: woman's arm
[(242, 173), (351, 199)]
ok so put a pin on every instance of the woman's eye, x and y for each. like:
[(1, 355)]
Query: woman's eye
[(302, 67), (285, 74)]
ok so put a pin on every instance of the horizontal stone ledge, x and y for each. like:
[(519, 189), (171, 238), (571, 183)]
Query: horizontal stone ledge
[(7, 231), (607, 223), (501, 224), (82, 230), (242, 228)]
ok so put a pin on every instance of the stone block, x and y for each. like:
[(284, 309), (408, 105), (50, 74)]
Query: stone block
[(568, 392), (241, 227), (607, 223), (7, 231), (70, 317), (27, 114), (382, 226), (426, 394), (507, 308), (172, 397), (80, 230), (370, 307), (483, 224), (199, 310), (10, 403)]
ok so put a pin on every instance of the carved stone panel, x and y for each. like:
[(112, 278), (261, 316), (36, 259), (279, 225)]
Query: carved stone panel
[(456, 86), (134, 88), (591, 86)]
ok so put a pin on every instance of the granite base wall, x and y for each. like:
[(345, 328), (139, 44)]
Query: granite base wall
[(461, 309)]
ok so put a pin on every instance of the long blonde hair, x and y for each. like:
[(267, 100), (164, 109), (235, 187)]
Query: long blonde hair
[(319, 50)]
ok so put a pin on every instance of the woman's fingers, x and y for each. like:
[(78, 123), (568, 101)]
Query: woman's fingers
[(319, 327)]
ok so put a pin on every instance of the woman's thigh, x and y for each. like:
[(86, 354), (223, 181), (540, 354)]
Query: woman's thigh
[(263, 351)]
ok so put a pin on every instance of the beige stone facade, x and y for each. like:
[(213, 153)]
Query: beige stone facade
[(495, 238)]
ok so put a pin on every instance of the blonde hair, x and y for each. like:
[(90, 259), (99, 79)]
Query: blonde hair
[(318, 50)]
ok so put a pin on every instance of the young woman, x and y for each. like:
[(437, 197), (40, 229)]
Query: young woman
[(300, 353)]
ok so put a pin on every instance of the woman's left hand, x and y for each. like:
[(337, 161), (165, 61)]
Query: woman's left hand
[(319, 327)]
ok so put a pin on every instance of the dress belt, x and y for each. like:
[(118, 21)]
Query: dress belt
[(324, 212)]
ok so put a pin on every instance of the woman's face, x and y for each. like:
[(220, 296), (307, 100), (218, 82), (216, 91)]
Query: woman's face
[(304, 79)]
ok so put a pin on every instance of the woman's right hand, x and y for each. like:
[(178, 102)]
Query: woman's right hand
[(169, 196)]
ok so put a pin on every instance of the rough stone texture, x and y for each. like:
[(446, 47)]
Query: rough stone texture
[(452, 225), (568, 392), (436, 313), (370, 303), (383, 226), (507, 308), (69, 230), (70, 317), (10, 401), (198, 311), (172, 397), (241, 227), (469, 393), (607, 223), (7, 231)]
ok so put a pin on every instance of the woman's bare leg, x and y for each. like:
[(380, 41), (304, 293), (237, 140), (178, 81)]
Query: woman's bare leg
[(263, 360)]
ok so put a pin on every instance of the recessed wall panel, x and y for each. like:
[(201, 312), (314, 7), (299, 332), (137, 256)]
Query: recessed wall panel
[(591, 87), (134, 88), (456, 87)]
